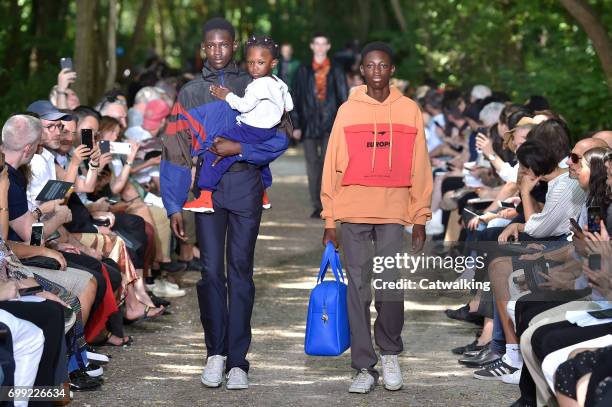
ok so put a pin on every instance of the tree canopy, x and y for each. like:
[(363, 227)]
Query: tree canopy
[(521, 47)]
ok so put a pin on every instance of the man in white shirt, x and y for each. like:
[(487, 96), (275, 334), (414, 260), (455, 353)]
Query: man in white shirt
[(43, 164)]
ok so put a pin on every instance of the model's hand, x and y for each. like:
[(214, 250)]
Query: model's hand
[(418, 238), (219, 91), (329, 235), (176, 222), (297, 134), (224, 147)]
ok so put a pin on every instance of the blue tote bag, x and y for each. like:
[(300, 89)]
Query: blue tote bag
[(327, 326)]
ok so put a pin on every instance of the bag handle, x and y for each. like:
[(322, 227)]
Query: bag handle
[(330, 257)]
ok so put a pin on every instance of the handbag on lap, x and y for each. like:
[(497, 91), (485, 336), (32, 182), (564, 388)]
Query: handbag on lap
[(327, 325)]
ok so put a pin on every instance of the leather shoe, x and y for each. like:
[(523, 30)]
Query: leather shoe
[(464, 314), (484, 357), (469, 349)]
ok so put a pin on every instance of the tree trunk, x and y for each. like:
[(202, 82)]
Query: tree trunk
[(111, 73), (141, 21), (84, 50), (587, 19), (399, 15)]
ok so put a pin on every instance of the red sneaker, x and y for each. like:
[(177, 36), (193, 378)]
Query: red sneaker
[(266, 202), (203, 204)]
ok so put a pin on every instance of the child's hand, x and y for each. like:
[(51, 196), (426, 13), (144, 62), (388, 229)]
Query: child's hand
[(219, 91)]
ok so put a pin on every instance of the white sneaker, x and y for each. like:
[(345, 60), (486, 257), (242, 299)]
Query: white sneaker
[(97, 358), (212, 376), (171, 285), (512, 378), (391, 372), (163, 289), (363, 383), (237, 379), (94, 370)]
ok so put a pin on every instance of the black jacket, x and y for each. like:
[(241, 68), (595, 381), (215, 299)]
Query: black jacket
[(313, 117)]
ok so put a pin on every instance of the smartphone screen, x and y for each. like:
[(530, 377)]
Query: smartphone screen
[(36, 238), (104, 146), (595, 262), (87, 138), (594, 219), (601, 314), (66, 63), (30, 290)]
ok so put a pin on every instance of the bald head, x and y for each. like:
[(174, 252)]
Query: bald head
[(605, 135), (577, 153)]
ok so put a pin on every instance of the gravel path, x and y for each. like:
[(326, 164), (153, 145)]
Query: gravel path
[(163, 367)]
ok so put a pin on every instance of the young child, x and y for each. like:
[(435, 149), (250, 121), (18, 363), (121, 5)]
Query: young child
[(265, 101)]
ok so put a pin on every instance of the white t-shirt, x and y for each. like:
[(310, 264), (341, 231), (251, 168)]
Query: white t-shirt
[(43, 170), (264, 102)]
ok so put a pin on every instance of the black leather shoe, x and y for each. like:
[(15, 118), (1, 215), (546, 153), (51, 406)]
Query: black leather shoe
[(484, 357), (469, 349), (193, 265), (464, 314), (316, 214), (80, 381)]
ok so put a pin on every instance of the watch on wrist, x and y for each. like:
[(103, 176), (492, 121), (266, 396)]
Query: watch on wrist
[(492, 157)]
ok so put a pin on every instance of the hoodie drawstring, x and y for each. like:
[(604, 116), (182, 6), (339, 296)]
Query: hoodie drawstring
[(375, 135), (390, 140)]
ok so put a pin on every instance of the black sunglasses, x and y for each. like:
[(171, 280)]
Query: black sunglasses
[(575, 158)]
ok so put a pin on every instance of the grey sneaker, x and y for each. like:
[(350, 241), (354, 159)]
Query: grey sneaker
[(391, 372), (237, 379), (212, 376), (363, 383)]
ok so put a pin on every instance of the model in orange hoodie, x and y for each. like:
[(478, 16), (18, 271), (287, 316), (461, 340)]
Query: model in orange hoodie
[(377, 168)]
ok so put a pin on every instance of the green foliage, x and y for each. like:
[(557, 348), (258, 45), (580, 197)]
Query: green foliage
[(521, 47)]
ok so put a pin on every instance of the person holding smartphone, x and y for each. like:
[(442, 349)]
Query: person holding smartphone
[(62, 96)]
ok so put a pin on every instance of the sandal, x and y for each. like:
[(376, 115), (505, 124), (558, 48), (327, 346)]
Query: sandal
[(143, 317)]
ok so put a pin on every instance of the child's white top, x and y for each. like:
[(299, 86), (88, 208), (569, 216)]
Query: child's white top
[(264, 102)]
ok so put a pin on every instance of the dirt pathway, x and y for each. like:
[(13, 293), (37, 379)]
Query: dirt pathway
[(163, 367)]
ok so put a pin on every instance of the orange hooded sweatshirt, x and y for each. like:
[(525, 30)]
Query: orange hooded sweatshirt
[(377, 167)]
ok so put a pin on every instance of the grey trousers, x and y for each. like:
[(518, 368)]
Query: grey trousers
[(360, 243), (314, 153)]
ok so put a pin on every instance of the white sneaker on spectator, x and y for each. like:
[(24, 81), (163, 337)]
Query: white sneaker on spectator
[(170, 284), (97, 358), (163, 289), (94, 370), (237, 379), (212, 376), (512, 378), (391, 372), (363, 383)]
